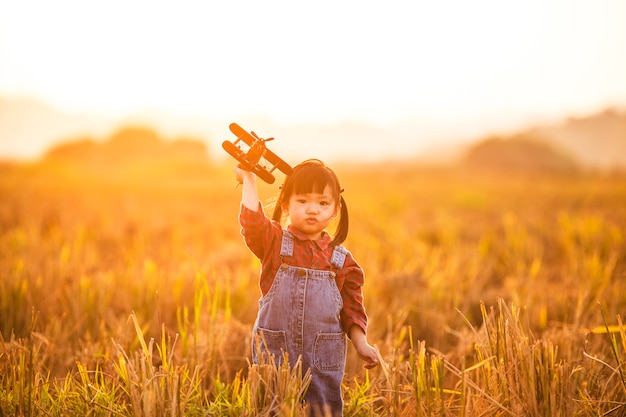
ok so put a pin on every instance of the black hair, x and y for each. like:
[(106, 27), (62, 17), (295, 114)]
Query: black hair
[(310, 176)]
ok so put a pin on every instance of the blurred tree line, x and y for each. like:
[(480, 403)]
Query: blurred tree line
[(521, 153), (130, 145), (597, 142), (130, 151)]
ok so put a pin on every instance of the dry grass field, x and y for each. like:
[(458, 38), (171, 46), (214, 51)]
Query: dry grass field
[(131, 293)]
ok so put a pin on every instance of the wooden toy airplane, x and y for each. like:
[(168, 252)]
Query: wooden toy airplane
[(253, 155)]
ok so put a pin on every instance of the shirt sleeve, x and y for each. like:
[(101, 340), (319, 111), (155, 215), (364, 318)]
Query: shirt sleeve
[(257, 230), (353, 311)]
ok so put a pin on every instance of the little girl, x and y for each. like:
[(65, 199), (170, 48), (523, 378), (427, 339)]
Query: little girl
[(310, 285)]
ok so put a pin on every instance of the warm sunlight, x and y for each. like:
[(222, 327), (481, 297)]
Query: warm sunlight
[(451, 69), (436, 228)]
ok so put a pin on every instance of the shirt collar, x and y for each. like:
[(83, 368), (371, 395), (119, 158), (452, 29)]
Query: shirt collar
[(322, 242)]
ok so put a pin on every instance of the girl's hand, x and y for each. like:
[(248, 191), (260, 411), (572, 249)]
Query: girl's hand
[(366, 351), (368, 354), (241, 173)]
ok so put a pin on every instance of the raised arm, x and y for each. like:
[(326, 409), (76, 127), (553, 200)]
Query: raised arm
[(249, 193)]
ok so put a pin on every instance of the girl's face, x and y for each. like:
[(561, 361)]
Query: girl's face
[(311, 213)]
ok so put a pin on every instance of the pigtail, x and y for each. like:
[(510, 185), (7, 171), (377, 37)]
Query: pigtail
[(342, 228), (278, 212)]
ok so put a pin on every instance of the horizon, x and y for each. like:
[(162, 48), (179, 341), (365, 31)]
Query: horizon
[(334, 140), (419, 72)]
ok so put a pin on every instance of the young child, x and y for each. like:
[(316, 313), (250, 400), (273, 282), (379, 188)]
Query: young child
[(310, 284)]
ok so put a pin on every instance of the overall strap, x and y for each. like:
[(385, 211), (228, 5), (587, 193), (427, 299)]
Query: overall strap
[(338, 257), (286, 247)]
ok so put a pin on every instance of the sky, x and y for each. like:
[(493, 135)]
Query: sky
[(472, 65)]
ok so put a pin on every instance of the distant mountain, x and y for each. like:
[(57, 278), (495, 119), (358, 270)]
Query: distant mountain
[(518, 154), (129, 146), (29, 128), (598, 140)]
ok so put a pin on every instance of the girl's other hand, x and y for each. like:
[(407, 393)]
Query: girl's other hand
[(365, 351), (368, 353)]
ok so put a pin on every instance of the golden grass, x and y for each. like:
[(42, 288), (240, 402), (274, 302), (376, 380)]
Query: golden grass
[(135, 295)]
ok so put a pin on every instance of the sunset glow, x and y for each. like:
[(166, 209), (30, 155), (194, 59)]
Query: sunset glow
[(453, 66), (453, 174)]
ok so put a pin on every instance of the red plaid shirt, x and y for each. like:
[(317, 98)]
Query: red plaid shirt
[(264, 236)]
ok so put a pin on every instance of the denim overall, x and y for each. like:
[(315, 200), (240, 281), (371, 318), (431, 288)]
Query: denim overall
[(299, 315)]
